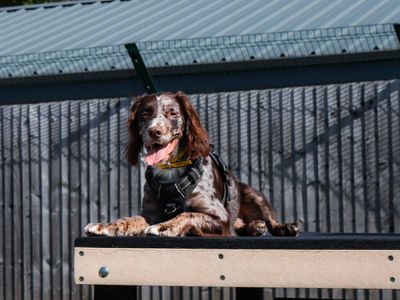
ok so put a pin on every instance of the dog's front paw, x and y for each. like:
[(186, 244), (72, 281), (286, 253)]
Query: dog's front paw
[(161, 230), (96, 229), (151, 231)]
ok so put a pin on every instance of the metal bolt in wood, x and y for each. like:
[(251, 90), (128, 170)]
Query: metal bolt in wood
[(103, 272)]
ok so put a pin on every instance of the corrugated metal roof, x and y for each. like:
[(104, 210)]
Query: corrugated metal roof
[(211, 50), (331, 41), (84, 24)]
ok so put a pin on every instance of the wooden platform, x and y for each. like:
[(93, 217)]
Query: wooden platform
[(309, 261)]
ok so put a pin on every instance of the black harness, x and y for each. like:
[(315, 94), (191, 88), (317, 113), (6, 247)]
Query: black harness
[(224, 170), (172, 196)]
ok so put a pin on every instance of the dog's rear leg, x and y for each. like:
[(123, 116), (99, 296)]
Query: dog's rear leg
[(253, 228), (188, 223), (254, 206)]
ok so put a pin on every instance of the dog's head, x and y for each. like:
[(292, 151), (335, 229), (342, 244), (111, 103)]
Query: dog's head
[(160, 124)]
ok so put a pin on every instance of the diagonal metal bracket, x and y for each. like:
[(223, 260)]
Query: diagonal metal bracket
[(397, 30), (140, 67)]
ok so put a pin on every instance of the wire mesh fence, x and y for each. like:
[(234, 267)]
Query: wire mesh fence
[(209, 50), (65, 62), (270, 45)]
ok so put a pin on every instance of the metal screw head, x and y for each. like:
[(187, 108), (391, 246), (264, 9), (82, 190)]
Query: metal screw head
[(222, 277), (220, 256), (103, 272), (392, 279), (390, 257), (81, 253), (81, 278)]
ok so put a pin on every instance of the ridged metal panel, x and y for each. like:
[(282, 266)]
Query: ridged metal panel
[(84, 24), (211, 50), (82, 60), (327, 156)]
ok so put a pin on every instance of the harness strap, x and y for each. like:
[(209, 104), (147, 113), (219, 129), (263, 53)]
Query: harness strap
[(224, 173)]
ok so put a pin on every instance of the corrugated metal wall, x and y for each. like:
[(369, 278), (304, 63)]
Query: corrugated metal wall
[(328, 156)]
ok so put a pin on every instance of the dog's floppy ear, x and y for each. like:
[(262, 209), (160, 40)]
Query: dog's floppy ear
[(196, 136), (135, 144)]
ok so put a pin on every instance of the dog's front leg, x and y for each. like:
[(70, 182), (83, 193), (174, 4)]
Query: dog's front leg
[(188, 223), (130, 226)]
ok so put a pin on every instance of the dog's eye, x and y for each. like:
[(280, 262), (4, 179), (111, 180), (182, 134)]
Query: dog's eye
[(172, 113), (144, 114)]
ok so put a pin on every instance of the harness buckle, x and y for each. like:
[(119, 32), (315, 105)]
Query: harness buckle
[(170, 208)]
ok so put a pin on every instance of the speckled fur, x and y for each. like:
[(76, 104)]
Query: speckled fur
[(203, 197), (133, 226), (246, 213)]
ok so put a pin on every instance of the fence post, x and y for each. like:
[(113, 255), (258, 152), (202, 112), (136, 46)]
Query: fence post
[(141, 68)]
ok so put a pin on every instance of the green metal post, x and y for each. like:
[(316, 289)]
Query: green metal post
[(141, 68), (397, 30)]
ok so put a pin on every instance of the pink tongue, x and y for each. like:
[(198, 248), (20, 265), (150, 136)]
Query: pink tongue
[(154, 156)]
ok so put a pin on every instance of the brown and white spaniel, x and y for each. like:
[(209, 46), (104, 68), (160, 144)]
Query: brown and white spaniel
[(188, 191)]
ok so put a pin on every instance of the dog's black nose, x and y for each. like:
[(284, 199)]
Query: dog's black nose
[(155, 132)]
